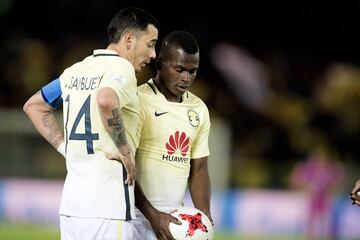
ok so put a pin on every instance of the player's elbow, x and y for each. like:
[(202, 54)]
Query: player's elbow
[(35, 104), (28, 106), (106, 99)]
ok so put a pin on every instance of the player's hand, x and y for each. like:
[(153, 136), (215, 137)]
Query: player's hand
[(355, 193), (160, 225), (127, 162), (210, 218), (208, 214)]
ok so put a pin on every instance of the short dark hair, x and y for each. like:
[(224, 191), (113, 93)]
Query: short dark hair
[(131, 18), (178, 39)]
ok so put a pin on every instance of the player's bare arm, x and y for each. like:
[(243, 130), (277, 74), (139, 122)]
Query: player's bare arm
[(109, 107), (43, 118), (55, 134), (199, 185), (159, 220), (118, 131), (355, 193)]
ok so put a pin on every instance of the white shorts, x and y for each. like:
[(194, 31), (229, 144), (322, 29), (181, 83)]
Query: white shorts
[(76, 228), (142, 228)]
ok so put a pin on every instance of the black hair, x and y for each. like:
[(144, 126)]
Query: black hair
[(131, 18), (178, 39)]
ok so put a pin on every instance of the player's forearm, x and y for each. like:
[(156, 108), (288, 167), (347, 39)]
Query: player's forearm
[(109, 107), (142, 203), (116, 129), (43, 118), (200, 190)]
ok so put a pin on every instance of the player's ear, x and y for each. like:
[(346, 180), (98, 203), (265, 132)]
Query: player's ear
[(158, 63), (128, 38)]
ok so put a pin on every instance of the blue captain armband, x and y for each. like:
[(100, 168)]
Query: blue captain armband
[(51, 93)]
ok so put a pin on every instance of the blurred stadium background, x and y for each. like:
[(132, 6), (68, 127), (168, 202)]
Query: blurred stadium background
[(282, 83)]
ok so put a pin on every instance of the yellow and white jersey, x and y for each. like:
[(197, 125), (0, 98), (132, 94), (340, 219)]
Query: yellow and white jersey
[(94, 186), (171, 135)]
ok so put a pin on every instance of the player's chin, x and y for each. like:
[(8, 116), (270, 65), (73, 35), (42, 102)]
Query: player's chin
[(180, 90)]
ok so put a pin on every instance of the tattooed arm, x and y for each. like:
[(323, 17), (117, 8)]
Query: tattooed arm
[(109, 108), (43, 118)]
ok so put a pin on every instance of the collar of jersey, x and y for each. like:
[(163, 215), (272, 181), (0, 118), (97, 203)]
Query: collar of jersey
[(157, 92), (105, 52)]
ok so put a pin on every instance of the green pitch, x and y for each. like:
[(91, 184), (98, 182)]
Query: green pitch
[(50, 232), (43, 232), (26, 232)]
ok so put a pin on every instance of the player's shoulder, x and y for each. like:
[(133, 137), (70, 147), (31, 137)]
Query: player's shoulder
[(119, 66), (123, 65), (147, 89), (191, 98), (116, 68), (109, 61)]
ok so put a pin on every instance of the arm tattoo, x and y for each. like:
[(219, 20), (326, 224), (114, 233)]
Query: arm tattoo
[(118, 131), (55, 134)]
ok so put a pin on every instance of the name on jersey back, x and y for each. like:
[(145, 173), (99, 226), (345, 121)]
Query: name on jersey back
[(84, 83)]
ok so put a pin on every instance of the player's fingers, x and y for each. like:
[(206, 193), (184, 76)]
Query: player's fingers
[(110, 156), (158, 235), (169, 236), (131, 174), (166, 218), (162, 236), (212, 221), (127, 163), (174, 220), (166, 228), (355, 196), (130, 179), (355, 190), (166, 234), (356, 187)]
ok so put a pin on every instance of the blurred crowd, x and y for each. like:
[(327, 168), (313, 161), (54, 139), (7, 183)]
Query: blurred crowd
[(282, 109)]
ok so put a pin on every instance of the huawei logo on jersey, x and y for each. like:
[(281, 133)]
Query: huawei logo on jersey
[(178, 142)]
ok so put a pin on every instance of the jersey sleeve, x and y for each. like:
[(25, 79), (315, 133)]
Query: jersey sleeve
[(51, 93), (117, 82), (200, 146)]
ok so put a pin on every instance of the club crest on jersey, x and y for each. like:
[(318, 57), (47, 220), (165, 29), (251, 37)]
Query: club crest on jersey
[(178, 142), (193, 118)]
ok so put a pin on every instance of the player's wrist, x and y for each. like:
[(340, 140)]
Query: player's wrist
[(125, 154), (61, 148), (125, 151), (151, 213)]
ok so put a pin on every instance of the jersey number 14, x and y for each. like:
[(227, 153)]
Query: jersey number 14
[(88, 136)]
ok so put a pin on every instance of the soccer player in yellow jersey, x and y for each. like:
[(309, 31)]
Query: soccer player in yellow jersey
[(173, 149), (101, 116)]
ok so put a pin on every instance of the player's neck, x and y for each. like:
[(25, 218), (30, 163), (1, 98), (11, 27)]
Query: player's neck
[(121, 50), (168, 95)]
